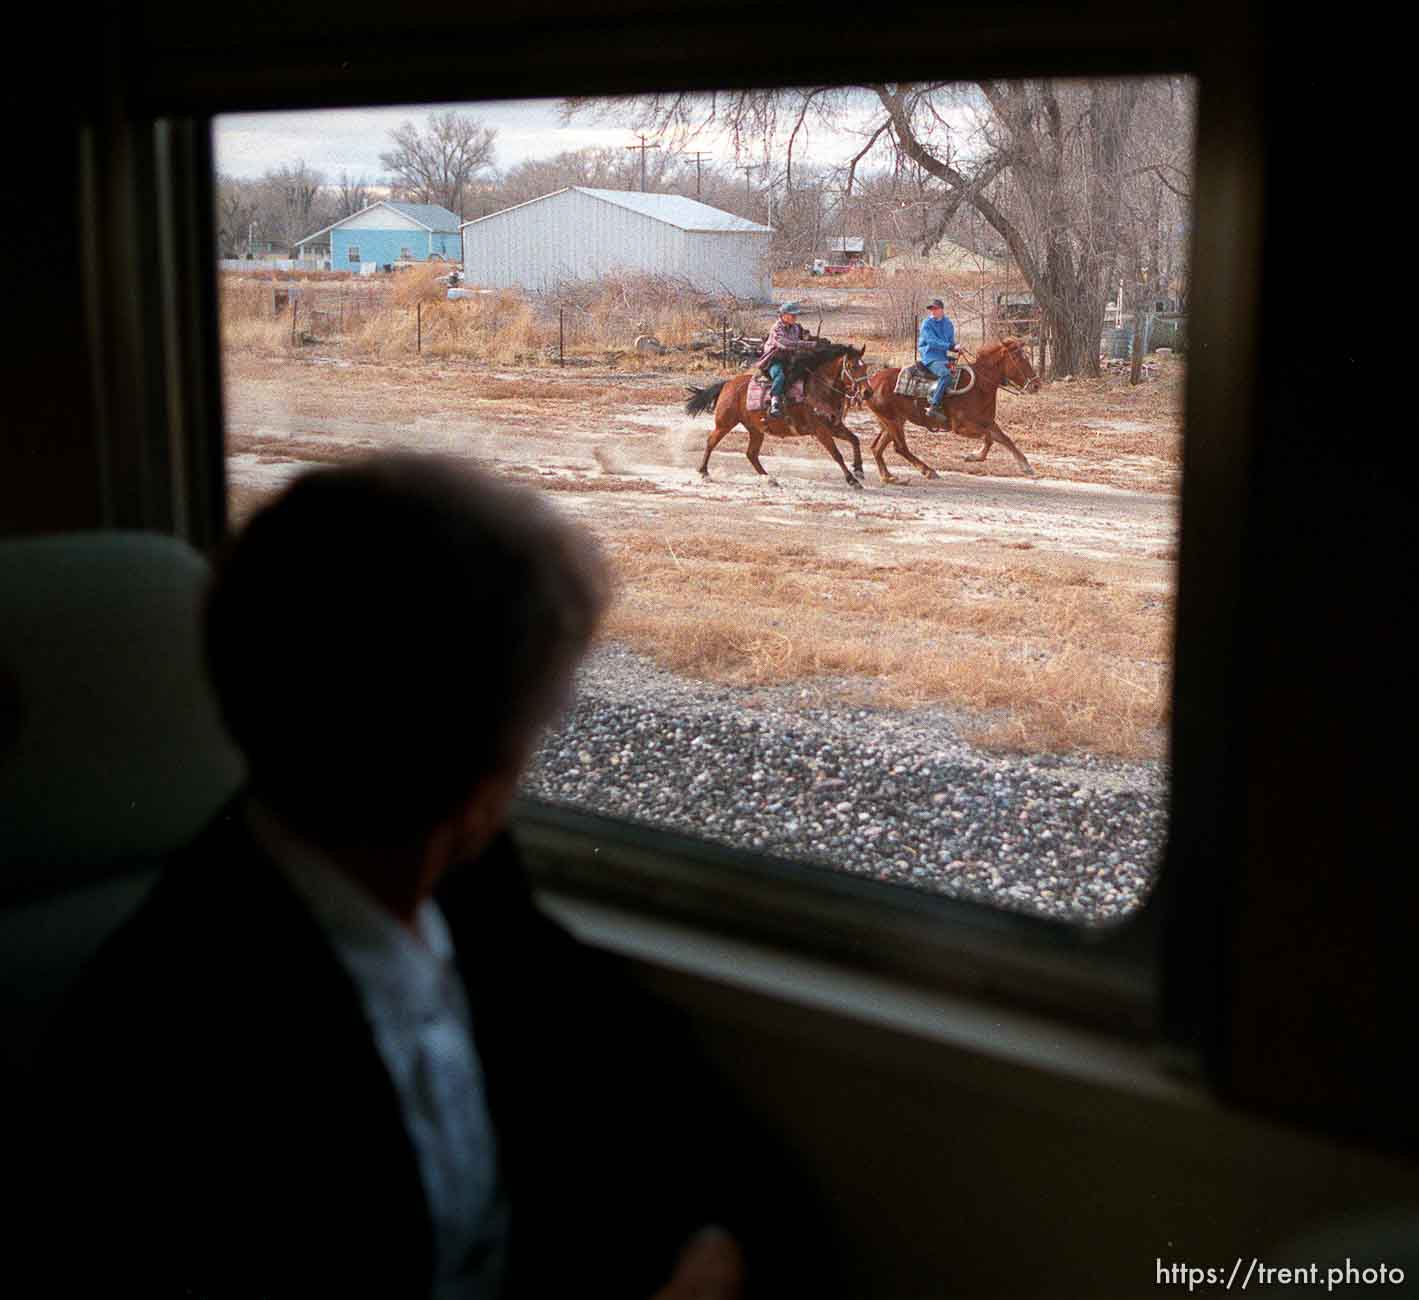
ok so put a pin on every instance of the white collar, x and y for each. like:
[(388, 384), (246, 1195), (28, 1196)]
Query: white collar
[(382, 955)]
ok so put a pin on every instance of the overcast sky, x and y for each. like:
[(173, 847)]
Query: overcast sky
[(332, 141), (351, 140)]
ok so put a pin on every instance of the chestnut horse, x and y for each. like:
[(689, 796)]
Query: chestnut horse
[(832, 374), (971, 415)]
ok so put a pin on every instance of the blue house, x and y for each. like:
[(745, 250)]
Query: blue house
[(388, 232)]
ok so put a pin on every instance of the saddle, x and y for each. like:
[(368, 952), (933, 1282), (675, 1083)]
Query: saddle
[(757, 398), (916, 380)]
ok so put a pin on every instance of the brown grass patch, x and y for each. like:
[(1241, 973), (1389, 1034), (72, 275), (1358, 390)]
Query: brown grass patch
[(1046, 659)]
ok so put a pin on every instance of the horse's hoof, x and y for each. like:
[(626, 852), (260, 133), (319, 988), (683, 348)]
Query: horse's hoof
[(773, 482), (931, 473), (889, 478), (855, 484)]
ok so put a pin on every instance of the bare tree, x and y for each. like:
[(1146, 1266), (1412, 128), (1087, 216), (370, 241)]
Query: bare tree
[(293, 203), (437, 165), (351, 195), (1044, 163), (237, 213)]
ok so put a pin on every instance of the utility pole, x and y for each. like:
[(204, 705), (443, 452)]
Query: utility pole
[(698, 156), (643, 146), (746, 168)]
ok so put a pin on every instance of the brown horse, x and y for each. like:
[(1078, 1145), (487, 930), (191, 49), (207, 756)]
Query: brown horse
[(832, 374), (971, 415)]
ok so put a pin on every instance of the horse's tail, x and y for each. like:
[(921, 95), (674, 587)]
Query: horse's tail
[(703, 399)]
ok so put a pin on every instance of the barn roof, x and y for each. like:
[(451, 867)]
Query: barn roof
[(429, 215), (673, 209)]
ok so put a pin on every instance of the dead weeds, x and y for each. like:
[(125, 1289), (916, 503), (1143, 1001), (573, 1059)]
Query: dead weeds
[(1059, 659)]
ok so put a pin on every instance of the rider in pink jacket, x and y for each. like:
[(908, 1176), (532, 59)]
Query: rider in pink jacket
[(787, 336)]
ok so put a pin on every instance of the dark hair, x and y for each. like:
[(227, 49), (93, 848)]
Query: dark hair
[(383, 635)]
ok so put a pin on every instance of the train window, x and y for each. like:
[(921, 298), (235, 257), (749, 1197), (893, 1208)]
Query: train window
[(929, 651)]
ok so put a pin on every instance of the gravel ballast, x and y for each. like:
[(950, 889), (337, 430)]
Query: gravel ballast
[(894, 795)]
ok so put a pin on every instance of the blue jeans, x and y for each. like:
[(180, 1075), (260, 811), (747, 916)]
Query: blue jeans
[(946, 379), (776, 373)]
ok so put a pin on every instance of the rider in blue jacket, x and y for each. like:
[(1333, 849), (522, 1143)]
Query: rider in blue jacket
[(934, 344)]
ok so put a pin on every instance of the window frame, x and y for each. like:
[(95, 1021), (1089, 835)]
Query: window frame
[(1115, 976)]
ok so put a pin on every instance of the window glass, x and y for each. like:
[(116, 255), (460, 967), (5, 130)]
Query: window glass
[(949, 670)]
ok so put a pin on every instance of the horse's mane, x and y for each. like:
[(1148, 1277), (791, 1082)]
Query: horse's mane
[(800, 364)]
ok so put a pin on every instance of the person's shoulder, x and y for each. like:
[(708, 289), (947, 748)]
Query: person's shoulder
[(211, 901), (214, 882)]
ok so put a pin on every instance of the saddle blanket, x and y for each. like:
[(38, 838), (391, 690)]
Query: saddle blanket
[(757, 398), (916, 381)]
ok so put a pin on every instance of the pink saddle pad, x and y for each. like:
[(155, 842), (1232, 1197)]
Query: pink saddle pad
[(757, 398)]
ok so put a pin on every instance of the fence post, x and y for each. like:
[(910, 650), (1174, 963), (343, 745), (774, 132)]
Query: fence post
[(561, 336), (724, 331), (293, 320), (419, 327)]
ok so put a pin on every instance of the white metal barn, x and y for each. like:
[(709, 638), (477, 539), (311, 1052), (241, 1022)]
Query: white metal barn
[(582, 234)]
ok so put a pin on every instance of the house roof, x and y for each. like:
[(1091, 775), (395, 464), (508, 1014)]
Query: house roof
[(847, 244), (429, 215), (672, 209)]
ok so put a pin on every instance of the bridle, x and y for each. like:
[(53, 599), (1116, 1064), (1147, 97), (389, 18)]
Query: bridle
[(853, 387)]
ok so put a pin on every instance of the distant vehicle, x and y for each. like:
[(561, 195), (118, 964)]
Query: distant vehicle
[(1016, 313), (820, 266)]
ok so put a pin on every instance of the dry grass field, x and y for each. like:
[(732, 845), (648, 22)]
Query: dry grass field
[(1038, 612)]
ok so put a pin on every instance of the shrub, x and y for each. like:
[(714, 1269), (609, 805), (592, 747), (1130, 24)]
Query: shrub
[(612, 311)]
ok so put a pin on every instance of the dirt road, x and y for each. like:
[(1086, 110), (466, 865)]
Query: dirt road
[(619, 451)]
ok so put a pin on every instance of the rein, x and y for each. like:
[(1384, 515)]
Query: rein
[(856, 389)]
